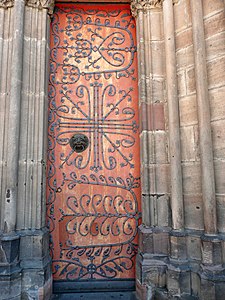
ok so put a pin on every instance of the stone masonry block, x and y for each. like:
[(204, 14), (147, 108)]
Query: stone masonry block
[(158, 65), (37, 284), (215, 46), (161, 241), (141, 290), (9, 249), (194, 247), (208, 290), (154, 274), (191, 178), (190, 78), (178, 245), (193, 212), (216, 72), (185, 57), (220, 290), (146, 217), (161, 146), (189, 143), (158, 89), (145, 179), (188, 111), (153, 116), (220, 200), (217, 107), (34, 245), (212, 250), (195, 285), (145, 138), (156, 25), (163, 211), (181, 83), (184, 38), (182, 15), (215, 24), (178, 280), (159, 178), (220, 176), (10, 287), (212, 7), (146, 240), (218, 136)]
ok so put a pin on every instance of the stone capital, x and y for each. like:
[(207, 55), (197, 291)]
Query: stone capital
[(42, 4), (144, 5), (6, 3)]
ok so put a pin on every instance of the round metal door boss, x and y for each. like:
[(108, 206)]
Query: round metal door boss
[(79, 142)]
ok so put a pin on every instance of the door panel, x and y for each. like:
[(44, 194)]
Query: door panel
[(93, 196)]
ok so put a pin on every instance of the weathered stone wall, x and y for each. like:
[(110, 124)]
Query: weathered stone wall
[(181, 249), (25, 270)]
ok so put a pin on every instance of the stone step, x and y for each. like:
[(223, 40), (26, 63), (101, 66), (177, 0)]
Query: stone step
[(96, 296)]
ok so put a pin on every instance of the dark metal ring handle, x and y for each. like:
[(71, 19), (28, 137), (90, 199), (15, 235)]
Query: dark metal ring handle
[(79, 142)]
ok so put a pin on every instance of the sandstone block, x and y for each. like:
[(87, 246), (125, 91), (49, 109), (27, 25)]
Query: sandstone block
[(215, 24), (217, 107), (215, 46), (194, 247), (190, 77), (216, 72), (188, 111), (182, 15), (219, 176), (156, 25), (178, 246), (218, 136), (193, 212), (191, 178), (185, 57), (158, 65), (220, 200), (163, 211), (181, 83), (184, 39), (189, 143), (211, 7)]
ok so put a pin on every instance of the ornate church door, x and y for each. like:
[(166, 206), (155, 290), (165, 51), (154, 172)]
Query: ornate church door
[(93, 183)]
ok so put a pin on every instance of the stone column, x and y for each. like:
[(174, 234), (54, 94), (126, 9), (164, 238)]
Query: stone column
[(173, 114), (177, 266), (206, 148), (154, 231), (212, 272), (24, 106)]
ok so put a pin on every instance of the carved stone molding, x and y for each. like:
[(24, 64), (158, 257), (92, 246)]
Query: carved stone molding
[(42, 4), (144, 5), (6, 3)]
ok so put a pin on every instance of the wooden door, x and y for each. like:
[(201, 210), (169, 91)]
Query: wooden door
[(93, 191)]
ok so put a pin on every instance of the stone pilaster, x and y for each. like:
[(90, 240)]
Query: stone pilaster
[(25, 269)]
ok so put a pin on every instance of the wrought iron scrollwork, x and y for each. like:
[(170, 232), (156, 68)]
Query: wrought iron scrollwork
[(95, 208)]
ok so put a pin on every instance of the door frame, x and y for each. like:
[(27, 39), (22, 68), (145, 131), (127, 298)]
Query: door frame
[(115, 285)]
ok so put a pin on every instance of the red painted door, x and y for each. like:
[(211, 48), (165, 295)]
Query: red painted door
[(93, 184)]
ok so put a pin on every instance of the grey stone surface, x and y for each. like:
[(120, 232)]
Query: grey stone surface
[(96, 296)]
